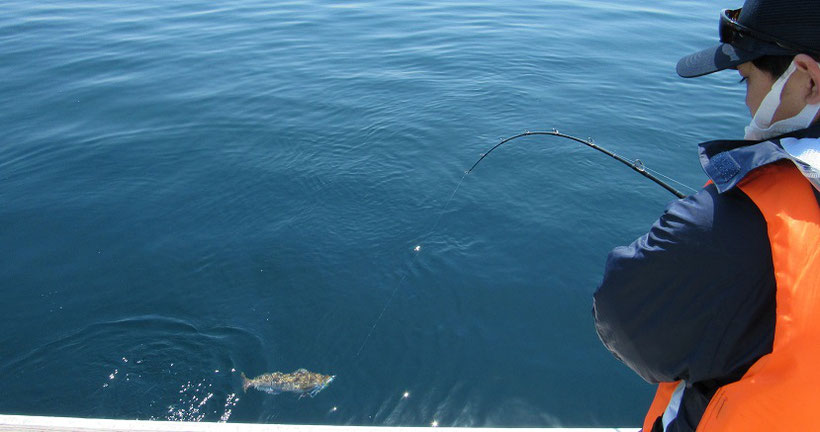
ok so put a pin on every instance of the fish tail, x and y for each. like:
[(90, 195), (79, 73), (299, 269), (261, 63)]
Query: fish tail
[(245, 382)]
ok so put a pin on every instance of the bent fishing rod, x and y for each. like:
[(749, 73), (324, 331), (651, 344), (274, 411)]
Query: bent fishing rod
[(636, 165)]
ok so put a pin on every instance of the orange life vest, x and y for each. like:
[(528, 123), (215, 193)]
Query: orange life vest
[(781, 391)]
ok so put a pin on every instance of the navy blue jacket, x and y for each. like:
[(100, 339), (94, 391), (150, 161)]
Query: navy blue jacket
[(694, 298)]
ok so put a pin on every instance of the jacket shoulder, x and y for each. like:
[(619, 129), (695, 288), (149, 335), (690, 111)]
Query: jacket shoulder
[(677, 302)]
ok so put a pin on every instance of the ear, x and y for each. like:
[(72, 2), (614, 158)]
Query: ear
[(809, 65)]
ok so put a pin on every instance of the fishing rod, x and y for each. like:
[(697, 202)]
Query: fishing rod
[(636, 165)]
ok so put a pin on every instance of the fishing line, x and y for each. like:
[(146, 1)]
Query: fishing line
[(636, 165), (671, 179), (417, 250)]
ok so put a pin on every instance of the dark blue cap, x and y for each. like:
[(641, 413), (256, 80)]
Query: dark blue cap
[(760, 28)]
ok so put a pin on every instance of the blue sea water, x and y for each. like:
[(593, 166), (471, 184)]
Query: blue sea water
[(194, 189)]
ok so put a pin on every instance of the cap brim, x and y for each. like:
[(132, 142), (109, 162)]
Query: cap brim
[(726, 56), (716, 58)]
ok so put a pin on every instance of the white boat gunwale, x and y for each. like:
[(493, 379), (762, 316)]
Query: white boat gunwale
[(18, 423)]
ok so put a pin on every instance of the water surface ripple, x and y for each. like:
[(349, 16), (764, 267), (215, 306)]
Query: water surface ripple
[(193, 189)]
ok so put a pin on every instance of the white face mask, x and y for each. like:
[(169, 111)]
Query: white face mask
[(761, 127)]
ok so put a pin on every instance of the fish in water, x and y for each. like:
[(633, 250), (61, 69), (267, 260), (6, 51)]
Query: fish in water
[(300, 381)]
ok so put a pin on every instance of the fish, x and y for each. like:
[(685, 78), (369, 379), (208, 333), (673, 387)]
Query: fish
[(300, 381)]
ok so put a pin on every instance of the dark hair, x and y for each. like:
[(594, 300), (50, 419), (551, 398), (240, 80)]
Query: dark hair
[(773, 65)]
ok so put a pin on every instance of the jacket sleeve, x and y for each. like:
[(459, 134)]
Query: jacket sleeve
[(694, 298)]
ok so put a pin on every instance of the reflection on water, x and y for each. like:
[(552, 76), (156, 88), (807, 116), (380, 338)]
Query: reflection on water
[(197, 401)]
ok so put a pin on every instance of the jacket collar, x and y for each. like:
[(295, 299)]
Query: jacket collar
[(727, 162)]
